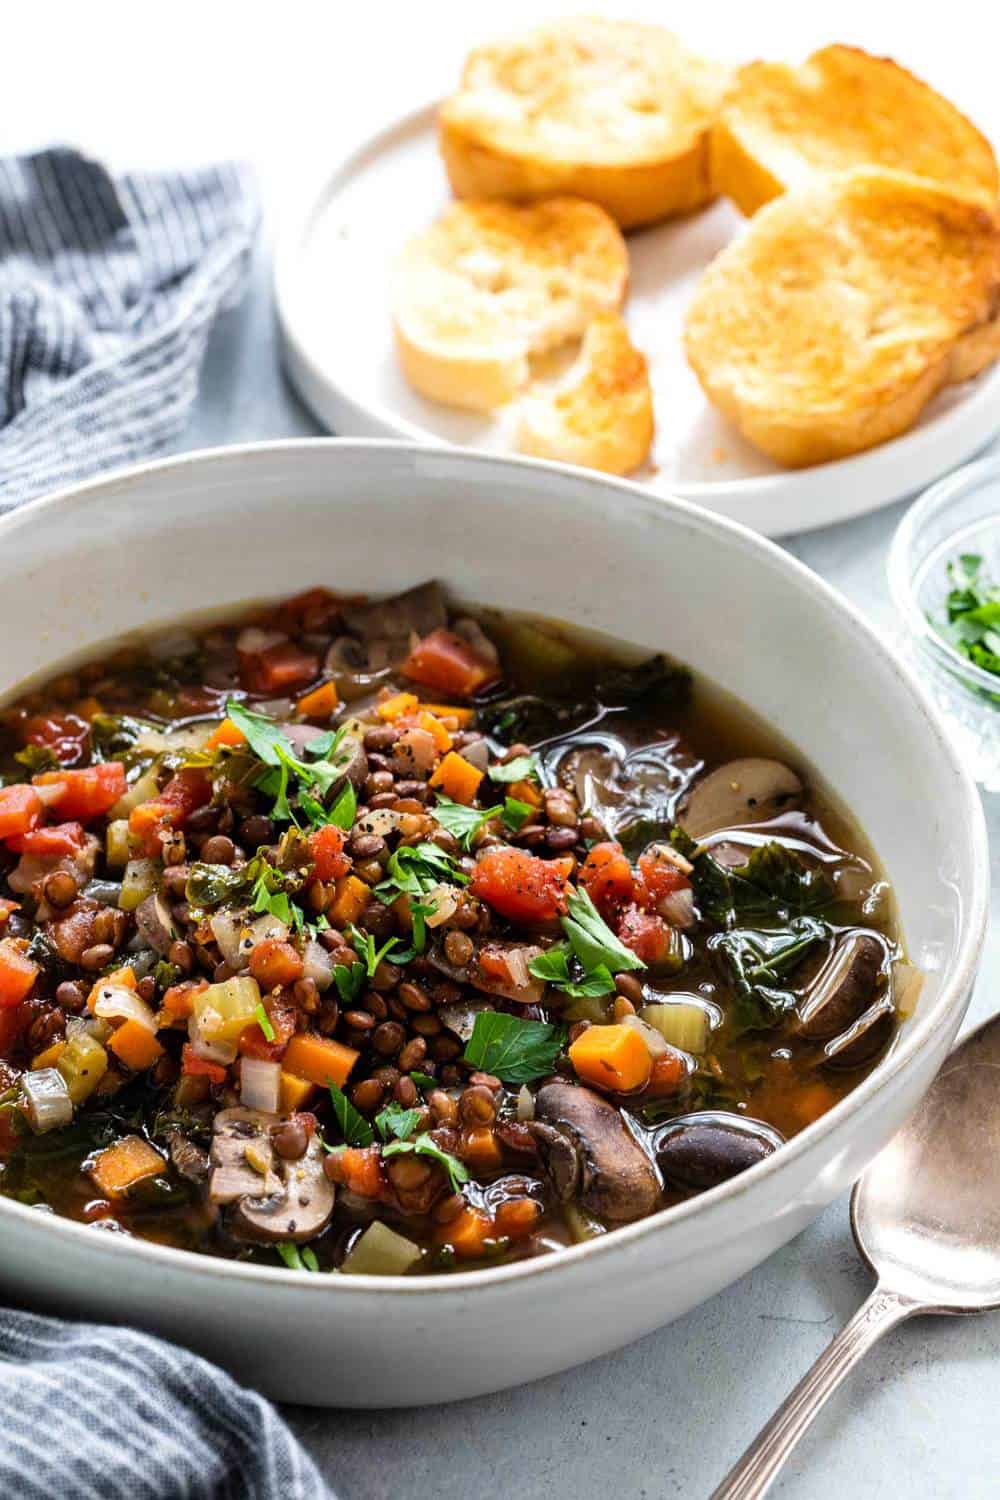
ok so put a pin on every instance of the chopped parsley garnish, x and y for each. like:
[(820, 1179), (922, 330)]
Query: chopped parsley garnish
[(516, 814), (296, 1259), (349, 981), (513, 1050), (263, 1020), (353, 1126), (271, 745), (397, 1123), (461, 821), (521, 768), (425, 1145), (364, 947), (554, 967), (592, 940), (424, 1081), (415, 870), (973, 609)]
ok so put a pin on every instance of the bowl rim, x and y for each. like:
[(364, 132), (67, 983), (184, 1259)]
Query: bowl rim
[(899, 571), (956, 985)]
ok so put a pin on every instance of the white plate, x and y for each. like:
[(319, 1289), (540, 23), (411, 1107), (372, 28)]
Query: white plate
[(332, 288)]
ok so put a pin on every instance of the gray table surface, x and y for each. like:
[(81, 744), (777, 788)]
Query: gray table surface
[(668, 1415)]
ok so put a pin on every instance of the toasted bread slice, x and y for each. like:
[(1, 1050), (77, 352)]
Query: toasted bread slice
[(606, 110), (841, 109), (492, 283), (601, 416), (831, 322)]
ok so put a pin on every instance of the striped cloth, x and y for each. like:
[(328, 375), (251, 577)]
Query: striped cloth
[(96, 1413), (108, 290)]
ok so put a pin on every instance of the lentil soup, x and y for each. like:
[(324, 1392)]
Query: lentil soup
[(392, 937)]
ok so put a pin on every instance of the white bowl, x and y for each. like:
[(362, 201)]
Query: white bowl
[(211, 530)]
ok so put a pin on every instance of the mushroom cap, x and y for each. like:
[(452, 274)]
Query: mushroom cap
[(738, 793), (589, 1152), (155, 923), (288, 1200), (844, 987)]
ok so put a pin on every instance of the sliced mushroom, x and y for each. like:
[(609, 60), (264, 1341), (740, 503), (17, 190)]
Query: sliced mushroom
[(843, 988), (590, 1154), (738, 793), (518, 984), (155, 923), (701, 1150), (864, 1040), (419, 610), (272, 1199)]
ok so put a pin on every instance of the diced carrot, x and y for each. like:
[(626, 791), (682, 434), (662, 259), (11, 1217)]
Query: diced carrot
[(88, 792), (278, 668), (397, 707), (226, 733), (645, 933), (565, 864), (457, 778), (516, 1218), (482, 1148), (118, 1167), (274, 963), (527, 792), (351, 896), (319, 1059), (320, 703), (49, 1057), (122, 978), (20, 810), (468, 1233), (442, 739), (448, 664), (518, 885), (56, 838), (135, 1045), (326, 845), (612, 1057), (463, 716), (17, 972), (178, 1001), (200, 1067), (294, 1092), (606, 876), (360, 1169), (668, 1073)]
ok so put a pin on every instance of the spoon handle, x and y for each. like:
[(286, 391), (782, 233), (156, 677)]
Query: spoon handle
[(755, 1472)]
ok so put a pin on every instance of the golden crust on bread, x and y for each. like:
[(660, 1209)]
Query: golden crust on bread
[(611, 111), (491, 283), (843, 308), (841, 109), (601, 415)]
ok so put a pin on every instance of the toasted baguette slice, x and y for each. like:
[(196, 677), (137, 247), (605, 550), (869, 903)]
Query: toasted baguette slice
[(606, 110), (601, 416), (491, 283), (841, 109), (831, 322)]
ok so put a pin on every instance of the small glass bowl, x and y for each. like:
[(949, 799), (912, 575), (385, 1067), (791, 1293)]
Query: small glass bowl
[(958, 514)]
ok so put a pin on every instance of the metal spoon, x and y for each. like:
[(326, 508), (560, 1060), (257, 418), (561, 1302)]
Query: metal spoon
[(926, 1218)]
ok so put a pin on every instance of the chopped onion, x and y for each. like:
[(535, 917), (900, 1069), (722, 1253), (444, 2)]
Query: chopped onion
[(444, 899), (251, 641), (470, 630), (222, 1053), (260, 1084), (47, 1101), (417, 749), (477, 754), (226, 929), (317, 965), (92, 1026), (654, 1040), (517, 967), (138, 882), (907, 982), (117, 1002), (525, 1103), (258, 932), (678, 908)]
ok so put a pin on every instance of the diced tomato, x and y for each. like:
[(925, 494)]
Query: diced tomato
[(519, 886), (57, 839), (283, 1013), (278, 668), (445, 662), (669, 1072), (65, 735), (20, 810), (182, 795), (326, 846), (191, 1063), (660, 878), (13, 1021), (17, 972), (89, 791), (607, 877), (645, 933), (275, 964)]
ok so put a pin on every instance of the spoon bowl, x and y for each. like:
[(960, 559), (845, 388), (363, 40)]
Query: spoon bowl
[(926, 1218)]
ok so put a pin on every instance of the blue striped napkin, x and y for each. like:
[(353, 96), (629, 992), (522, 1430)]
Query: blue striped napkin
[(108, 290), (96, 1413)]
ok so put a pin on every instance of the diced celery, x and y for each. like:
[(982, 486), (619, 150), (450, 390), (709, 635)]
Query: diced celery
[(380, 1251), (682, 1023), (223, 1010), (83, 1062), (138, 882), (143, 790), (116, 843)]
